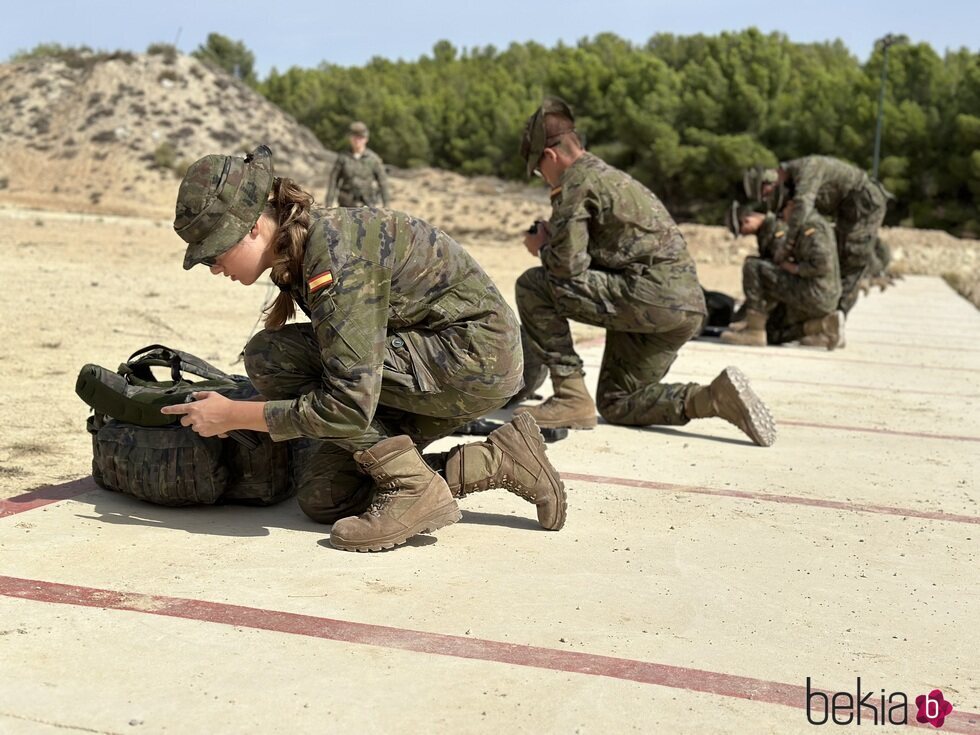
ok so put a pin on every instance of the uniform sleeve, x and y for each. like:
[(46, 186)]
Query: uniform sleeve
[(382, 179), (350, 325), (814, 252), (333, 182), (567, 254), (808, 180)]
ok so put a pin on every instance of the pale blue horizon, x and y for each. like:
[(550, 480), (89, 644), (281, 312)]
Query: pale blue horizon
[(350, 35)]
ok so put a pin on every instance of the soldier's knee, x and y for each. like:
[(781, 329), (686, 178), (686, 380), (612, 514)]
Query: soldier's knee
[(256, 356), (614, 409), (533, 280)]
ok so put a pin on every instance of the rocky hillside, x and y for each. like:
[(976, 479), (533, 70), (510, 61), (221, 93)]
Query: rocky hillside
[(114, 133)]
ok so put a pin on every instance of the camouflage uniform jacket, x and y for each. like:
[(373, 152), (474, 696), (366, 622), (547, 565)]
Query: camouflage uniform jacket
[(822, 183), (766, 236), (369, 272), (604, 219), (358, 180), (815, 253)]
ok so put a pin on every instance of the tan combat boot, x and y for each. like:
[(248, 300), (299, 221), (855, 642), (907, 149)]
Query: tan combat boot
[(410, 499), (513, 458), (730, 397), (827, 331), (571, 407), (754, 333)]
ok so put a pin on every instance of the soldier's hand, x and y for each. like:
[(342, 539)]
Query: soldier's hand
[(538, 239), (209, 414), (790, 267)]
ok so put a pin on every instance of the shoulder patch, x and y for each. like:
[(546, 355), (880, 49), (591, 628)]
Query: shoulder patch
[(319, 281), (780, 233), (809, 231), (555, 192)]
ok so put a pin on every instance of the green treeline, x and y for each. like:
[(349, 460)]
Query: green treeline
[(683, 114)]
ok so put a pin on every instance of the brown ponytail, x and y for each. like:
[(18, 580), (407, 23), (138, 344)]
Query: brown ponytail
[(289, 206)]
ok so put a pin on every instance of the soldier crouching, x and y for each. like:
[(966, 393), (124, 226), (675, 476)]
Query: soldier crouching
[(794, 295), (408, 339)]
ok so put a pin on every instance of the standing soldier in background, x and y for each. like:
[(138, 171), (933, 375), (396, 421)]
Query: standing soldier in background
[(612, 256), (834, 189), (358, 178)]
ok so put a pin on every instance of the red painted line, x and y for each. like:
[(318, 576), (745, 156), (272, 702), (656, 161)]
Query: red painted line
[(46, 496), (899, 391), (851, 386), (383, 636), (781, 351), (917, 346), (932, 515), (932, 333), (802, 355), (870, 430)]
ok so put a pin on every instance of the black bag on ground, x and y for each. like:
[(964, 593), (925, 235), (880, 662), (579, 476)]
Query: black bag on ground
[(140, 452)]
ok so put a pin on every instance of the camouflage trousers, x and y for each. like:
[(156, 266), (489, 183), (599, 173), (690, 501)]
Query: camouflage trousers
[(417, 399), (881, 258), (358, 199), (768, 287), (857, 223), (642, 341)]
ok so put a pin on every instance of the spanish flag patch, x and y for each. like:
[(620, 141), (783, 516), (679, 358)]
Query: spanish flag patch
[(809, 232), (319, 281), (555, 192), (779, 234)]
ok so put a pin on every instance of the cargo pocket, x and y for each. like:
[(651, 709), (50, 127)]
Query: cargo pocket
[(405, 364)]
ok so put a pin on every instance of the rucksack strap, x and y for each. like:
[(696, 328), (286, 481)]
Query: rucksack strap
[(179, 362)]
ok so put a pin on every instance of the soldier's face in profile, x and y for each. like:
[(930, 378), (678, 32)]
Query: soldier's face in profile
[(546, 167), (247, 259), (751, 223)]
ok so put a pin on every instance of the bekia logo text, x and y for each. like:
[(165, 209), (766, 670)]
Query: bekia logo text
[(844, 708)]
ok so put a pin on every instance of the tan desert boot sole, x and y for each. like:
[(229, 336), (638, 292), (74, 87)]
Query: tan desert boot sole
[(440, 517)]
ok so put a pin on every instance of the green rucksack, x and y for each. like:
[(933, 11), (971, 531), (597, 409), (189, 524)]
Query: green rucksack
[(141, 452)]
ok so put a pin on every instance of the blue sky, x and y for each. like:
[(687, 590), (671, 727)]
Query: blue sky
[(350, 34)]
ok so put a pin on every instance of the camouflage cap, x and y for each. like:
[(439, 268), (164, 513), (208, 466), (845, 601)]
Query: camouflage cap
[(220, 200), (755, 177), (541, 133), (359, 129)]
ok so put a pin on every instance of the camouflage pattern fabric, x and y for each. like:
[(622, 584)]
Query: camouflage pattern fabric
[(358, 182), (617, 260), (604, 219), (881, 258), (172, 465), (219, 201), (857, 204), (642, 341), (411, 337), (766, 236), (812, 293)]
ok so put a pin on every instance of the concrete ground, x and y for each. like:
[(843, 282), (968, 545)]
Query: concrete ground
[(698, 585)]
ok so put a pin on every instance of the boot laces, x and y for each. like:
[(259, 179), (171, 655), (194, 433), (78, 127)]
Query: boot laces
[(511, 485), (382, 497)]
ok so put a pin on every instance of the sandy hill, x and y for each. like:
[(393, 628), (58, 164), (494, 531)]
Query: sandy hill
[(113, 134)]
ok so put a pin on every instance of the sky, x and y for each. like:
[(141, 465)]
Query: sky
[(302, 33)]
